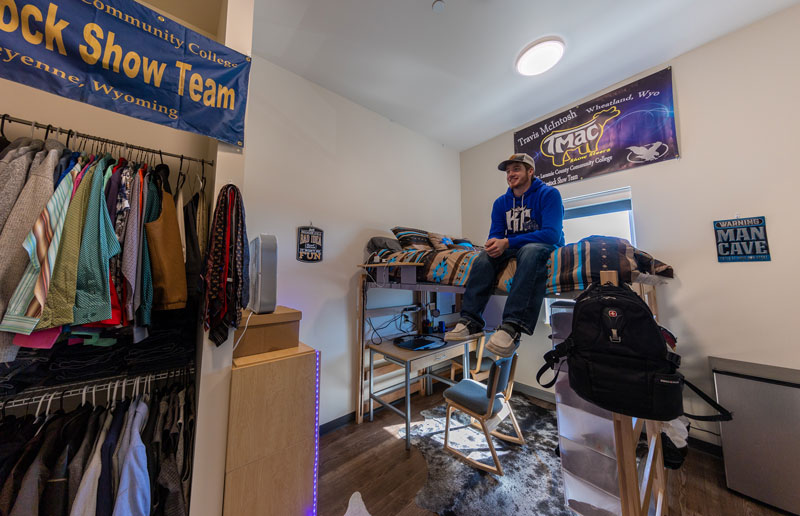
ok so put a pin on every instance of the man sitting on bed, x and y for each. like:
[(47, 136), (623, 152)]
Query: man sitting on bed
[(526, 225)]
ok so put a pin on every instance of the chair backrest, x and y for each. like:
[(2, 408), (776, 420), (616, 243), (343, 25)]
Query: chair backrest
[(500, 375)]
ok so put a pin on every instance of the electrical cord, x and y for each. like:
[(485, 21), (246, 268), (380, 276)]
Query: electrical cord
[(376, 331), (706, 431), (243, 331)]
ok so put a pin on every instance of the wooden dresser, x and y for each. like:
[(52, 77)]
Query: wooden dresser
[(271, 466)]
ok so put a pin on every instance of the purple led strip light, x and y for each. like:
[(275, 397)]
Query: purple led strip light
[(316, 441)]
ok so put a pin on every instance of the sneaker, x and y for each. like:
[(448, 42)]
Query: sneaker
[(464, 330), (504, 341)]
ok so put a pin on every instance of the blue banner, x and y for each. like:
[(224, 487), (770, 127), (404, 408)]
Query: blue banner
[(124, 57), (631, 126)]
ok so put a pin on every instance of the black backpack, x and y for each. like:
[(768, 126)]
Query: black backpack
[(618, 358)]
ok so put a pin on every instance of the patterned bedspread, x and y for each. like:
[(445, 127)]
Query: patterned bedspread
[(450, 267), (569, 268)]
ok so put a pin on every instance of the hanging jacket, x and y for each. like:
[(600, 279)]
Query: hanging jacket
[(29, 205), (13, 174)]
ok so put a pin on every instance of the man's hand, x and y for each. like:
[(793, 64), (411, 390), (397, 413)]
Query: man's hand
[(496, 246)]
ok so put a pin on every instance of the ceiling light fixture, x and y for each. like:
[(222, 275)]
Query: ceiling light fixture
[(540, 56), (438, 6)]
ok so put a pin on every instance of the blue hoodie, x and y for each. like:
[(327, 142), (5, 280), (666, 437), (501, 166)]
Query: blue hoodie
[(537, 216)]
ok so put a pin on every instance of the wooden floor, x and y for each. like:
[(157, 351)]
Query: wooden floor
[(369, 458)]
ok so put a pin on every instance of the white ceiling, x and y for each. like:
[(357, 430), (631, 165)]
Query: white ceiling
[(450, 75)]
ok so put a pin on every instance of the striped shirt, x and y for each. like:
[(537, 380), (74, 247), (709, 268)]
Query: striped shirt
[(42, 243)]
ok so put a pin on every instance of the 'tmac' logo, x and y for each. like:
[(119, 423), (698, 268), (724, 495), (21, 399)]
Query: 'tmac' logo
[(583, 138)]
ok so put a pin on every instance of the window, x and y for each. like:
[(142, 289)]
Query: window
[(605, 213)]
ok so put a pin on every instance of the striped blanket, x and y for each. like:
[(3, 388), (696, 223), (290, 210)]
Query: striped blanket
[(569, 268)]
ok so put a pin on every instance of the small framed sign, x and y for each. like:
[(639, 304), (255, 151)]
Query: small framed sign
[(742, 240), (309, 244)]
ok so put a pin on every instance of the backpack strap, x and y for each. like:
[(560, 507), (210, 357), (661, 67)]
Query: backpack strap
[(724, 414), (551, 358), (674, 359)]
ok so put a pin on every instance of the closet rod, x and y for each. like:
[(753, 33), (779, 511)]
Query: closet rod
[(76, 388), (59, 130)]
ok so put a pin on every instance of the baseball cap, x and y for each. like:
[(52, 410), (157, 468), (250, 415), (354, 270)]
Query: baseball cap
[(520, 158)]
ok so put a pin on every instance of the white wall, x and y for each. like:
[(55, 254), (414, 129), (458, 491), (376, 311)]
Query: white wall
[(312, 155), (737, 110)]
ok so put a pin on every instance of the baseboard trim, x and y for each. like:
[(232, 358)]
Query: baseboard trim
[(337, 423), (535, 392), (705, 447)]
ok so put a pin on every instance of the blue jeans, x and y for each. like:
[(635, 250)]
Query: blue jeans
[(527, 288)]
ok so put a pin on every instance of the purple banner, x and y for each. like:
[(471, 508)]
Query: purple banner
[(631, 126)]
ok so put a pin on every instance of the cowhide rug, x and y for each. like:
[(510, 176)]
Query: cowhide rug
[(532, 484)]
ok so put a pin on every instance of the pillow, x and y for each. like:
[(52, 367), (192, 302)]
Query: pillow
[(440, 242), (411, 238), (378, 243), (461, 243)]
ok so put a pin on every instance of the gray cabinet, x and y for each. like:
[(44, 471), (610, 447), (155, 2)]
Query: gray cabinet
[(760, 445)]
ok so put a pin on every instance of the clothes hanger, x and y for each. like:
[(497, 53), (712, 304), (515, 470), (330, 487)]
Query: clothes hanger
[(111, 397), (83, 395), (33, 126), (49, 402), (69, 135), (3, 128), (39, 406), (47, 131), (94, 392), (181, 176)]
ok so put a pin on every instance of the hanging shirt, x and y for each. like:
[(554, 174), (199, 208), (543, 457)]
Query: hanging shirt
[(88, 165), (57, 309), (109, 171), (133, 494), (130, 248), (73, 160), (112, 190), (42, 245), (151, 212), (98, 245), (121, 212)]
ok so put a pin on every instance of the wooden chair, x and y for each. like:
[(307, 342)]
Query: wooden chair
[(479, 365), (488, 405)]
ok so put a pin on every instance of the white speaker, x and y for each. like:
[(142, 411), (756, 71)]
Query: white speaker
[(263, 274)]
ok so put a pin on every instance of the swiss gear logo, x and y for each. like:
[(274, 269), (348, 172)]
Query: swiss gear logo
[(612, 313)]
